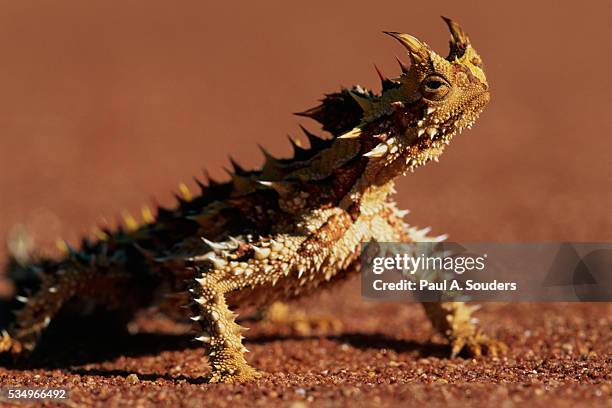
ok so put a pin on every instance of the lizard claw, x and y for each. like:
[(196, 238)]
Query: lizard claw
[(10, 345), (300, 323), (477, 344), (245, 374), (5, 342)]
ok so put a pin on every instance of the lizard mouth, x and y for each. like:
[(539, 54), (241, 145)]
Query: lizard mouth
[(438, 128), (433, 135)]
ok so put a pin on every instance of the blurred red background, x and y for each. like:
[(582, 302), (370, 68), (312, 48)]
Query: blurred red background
[(104, 105)]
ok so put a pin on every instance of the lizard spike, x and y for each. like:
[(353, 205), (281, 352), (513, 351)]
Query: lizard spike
[(62, 246), (364, 103), (147, 214), (211, 181), (351, 134), (270, 160), (405, 68), (179, 199), (200, 300), (441, 238), (100, 235), (378, 151), (21, 299), (204, 338), (403, 213), (275, 246), (315, 141), (201, 281), (217, 262), (283, 188), (130, 222), (216, 246), (200, 185), (261, 253), (298, 150), (385, 82), (184, 192), (237, 168), (425, 231), (380, 74), (311, 113)]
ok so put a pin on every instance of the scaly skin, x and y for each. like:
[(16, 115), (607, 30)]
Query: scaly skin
[(284, 230)]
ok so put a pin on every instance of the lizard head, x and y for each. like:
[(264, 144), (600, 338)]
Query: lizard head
[(419, 112)]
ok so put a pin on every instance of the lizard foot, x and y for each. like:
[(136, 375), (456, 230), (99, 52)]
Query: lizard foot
[(10, 345), (300, 323), (231, 375), (477, 344)]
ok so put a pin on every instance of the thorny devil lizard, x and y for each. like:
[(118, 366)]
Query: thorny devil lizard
[(284, 230)]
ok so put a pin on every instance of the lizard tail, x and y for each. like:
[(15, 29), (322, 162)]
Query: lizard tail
[(21, 271)]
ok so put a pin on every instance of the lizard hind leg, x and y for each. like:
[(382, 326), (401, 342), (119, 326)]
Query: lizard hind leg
[(297, 321), (220, 334)]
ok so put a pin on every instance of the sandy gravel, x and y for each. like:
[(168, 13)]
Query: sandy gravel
[(383, 355)]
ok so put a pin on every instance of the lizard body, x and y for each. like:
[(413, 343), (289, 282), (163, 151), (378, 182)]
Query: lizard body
[(283, 230)]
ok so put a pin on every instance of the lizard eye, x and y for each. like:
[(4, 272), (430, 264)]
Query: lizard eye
[(433, 84), (434, 87)]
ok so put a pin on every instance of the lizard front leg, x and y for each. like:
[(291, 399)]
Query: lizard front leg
[(259, 272), (221, 335)]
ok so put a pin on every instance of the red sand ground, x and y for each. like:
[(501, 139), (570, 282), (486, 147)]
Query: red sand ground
[(104, 106), (384, 356)]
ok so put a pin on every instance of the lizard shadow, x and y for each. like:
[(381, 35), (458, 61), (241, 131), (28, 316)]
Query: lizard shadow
[(361, 341), (70, 348), (367, 341)]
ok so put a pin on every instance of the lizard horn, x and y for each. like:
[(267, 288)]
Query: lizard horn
[(416, 49), (459, 39)]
